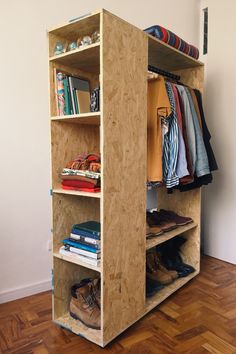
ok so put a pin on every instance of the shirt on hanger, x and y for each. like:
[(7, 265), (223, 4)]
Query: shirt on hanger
[(158, 106)]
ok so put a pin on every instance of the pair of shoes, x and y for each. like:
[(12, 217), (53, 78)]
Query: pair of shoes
[(154, 219), (152, 231), (166, 220), (173, 217), (152, 287), (155, 270), (86, 302), (169, 252)]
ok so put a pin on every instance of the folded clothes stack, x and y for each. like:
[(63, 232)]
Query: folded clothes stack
[(84, 243), (173, 40), (83, 174), (164, 265), (164, 221)]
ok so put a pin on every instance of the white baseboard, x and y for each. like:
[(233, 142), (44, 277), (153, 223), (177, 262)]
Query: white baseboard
[(28, 290)]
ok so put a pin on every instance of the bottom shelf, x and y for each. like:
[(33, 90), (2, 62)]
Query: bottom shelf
[(78, 328), (167, 291)]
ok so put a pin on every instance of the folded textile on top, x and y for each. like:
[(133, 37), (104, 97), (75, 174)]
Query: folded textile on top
[(82, 174), (173, 40)]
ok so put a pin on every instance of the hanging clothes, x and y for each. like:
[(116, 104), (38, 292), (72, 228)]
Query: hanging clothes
[(171, 144), (158, 106)]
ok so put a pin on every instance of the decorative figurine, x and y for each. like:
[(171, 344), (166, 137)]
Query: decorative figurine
[(86, 41), (95, 37), (59, 48), (72, 46)]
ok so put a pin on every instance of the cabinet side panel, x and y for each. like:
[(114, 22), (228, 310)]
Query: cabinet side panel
[(124, 173)]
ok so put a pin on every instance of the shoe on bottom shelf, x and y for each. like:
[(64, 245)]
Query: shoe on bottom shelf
[(83, 304), (153, 270), (152, 287), (172, 216)]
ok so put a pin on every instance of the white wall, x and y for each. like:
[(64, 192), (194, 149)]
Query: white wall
[(219, 217), (24, 134)]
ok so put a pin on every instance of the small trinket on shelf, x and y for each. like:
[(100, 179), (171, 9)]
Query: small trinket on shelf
[(72, 46), (86, 41), (95, 37), (59, 48)]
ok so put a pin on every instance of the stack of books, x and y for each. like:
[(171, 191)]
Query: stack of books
[(72, 94), (84, 243)]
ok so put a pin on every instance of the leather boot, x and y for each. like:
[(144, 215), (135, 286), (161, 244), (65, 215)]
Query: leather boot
[(96, 283), (174, 275), (84, 306), (154, 272)]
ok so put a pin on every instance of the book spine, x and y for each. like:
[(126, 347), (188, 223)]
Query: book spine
[(60, 94), (89, 240), (85, 259), (80, 246), (85, 234), (72, 96), (67, 104), (83, 242), (76, 101), (85, 253)]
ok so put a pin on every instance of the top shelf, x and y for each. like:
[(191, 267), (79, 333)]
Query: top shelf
[(168, 58)]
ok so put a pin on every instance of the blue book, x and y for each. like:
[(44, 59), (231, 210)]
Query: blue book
[(81, 241), (68, 242), (88, 228)]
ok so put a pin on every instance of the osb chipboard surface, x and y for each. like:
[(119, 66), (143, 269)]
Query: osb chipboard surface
[(69, 210), (193, 77), (124, 173), (69, 140), (67, 274)]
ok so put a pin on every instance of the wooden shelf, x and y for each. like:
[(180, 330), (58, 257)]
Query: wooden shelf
[(168, 58), (86, 58), (90, 118), (75, 260), (167, 291), (78, 193), (79, 328), (168, 235)]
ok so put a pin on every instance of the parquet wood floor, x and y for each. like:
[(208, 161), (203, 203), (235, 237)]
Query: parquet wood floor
[(200, 318)]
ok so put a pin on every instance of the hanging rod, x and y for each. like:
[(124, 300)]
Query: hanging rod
[(163, 73)]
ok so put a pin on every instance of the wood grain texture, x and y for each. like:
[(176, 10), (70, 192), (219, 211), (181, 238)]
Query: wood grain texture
[(66, 274), (186, 204), (68, 141), (199, 319), (168, 58), (157, 240), (123, 200), (69, 210), (91, 118), (85, 58), (93, 80), (71, 31)]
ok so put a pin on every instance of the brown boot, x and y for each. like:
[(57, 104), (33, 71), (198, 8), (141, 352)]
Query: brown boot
[(172, 273), (96, 283), (84, 307), (154, 272)]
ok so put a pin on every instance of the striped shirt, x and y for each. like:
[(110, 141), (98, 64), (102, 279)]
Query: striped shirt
[(170, 145)]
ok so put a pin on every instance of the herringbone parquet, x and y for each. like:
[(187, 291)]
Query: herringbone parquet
[(199, 318)]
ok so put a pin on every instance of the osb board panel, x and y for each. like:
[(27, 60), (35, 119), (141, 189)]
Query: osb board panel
[(124, 173), (72, 31), (69, 210), (168, 58), (193, 77), (86, 58), (78, 328), (167, 291), (157, 240), (68, 141), (65, 275), (186, 204), (93, 80)]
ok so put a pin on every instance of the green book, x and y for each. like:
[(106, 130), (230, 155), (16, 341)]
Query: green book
[(67, 100), (76, 102)]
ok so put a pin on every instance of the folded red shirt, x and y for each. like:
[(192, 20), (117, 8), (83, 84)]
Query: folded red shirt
[(77, 184), (91, 190)]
